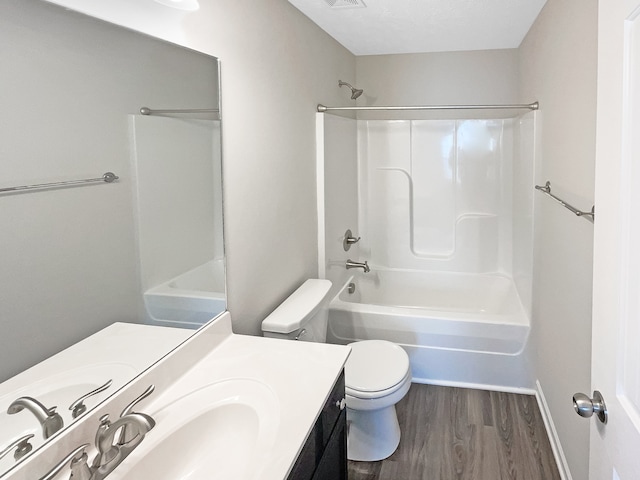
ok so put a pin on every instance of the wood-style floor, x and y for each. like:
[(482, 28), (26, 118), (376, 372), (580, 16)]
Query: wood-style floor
[(458, 433)]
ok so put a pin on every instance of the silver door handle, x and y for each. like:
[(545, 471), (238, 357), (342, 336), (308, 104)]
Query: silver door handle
[(585, 406)]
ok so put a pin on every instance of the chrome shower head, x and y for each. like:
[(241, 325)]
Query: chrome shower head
[(355, 92)]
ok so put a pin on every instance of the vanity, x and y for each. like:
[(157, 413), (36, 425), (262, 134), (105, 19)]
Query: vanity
[(226, 406)]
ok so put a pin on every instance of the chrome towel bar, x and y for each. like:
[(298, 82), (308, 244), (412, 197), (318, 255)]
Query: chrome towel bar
[(149, 111), (546, 189), (108, 177)]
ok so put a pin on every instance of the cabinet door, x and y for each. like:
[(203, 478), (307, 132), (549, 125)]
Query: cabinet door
[(308, 458), (333, 465), (324, 455)]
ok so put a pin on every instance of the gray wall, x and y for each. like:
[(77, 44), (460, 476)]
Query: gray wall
[(558, 67), (489, 76), (69, 261), (276, 66), (339, 196)]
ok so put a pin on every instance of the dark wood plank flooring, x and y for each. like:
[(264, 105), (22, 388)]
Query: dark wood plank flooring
[(464, 434)]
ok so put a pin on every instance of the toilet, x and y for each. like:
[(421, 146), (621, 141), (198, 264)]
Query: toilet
[(377, 373)]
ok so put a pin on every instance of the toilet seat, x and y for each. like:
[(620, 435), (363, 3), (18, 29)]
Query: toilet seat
[(381, 393), (375, 369)]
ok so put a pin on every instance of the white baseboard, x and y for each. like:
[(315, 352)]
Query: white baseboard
[(561, 460)]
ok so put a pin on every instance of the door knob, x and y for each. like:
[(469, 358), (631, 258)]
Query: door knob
[(585, 406)]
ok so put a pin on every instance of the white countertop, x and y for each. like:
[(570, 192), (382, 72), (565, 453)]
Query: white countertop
[(301, 376)]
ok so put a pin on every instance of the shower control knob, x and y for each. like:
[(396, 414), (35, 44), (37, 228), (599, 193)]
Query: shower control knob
[(341, 404), (586, 407), (349, 240)]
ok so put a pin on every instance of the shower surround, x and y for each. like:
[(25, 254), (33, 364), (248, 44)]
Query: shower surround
[(444, 209)]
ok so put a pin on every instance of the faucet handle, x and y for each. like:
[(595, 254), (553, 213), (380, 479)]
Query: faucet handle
[(105, 455), (78, 407), (21, 445), (128, 409), (349, 240), (103, 427), (75, 457), (80, 469)]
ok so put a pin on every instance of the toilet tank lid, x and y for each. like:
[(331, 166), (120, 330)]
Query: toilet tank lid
[(298, 307)]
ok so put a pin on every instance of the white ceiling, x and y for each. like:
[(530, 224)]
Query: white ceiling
[(415, 26)]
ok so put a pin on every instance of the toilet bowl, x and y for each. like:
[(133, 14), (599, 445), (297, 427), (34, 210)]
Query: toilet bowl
[(377, 373), (377, 376)]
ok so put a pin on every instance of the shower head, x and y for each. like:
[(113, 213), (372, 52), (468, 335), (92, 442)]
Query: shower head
[(355, 92)]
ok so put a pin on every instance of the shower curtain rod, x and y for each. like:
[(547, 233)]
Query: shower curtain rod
[(530, 106)]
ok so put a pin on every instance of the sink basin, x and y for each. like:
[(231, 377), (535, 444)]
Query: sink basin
[(220, 431)]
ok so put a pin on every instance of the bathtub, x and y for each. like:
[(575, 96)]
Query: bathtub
[(457, 328), (190, 299)]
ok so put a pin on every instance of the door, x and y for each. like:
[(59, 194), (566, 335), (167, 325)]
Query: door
[(615, 447)]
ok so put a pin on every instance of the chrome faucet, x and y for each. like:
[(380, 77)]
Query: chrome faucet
[(109, 455), (111, 452), (50, 421), (364, 266), (126, 435)]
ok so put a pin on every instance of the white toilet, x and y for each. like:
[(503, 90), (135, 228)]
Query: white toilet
[(377, 374)]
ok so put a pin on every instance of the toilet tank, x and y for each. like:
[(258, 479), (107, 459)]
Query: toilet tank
[(303, 315)]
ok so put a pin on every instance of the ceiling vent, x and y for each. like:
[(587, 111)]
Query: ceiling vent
[(345, 3)]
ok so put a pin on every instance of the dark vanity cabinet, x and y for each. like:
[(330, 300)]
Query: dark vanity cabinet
[(324, 455)]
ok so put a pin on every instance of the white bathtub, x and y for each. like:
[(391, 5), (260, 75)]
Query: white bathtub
[(457, 328), (189, 300)]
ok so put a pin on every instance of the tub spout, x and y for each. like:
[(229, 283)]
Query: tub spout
[(364, 266)]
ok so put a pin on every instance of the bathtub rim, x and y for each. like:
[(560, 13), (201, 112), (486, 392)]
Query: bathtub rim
[(337, 303), (521, 315)]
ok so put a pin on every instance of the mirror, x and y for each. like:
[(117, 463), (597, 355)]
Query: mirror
[(114, 257)]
